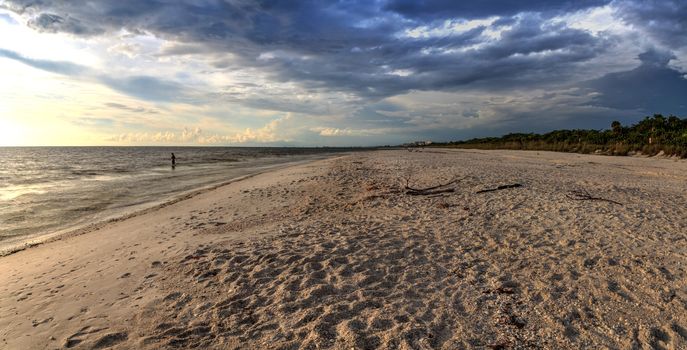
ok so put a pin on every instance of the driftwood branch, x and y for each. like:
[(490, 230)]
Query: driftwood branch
[(429, 188), (441, 188), (502, 187), (427, 193), (583, 195)]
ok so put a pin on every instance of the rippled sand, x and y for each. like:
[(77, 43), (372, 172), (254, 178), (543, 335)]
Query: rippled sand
[(337, 254)]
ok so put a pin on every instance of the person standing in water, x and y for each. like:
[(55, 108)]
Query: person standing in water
[(174, 160)]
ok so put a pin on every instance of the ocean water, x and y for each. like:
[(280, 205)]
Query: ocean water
[(49, 189)]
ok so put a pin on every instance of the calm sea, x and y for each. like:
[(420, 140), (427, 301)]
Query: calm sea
[(49, 189)]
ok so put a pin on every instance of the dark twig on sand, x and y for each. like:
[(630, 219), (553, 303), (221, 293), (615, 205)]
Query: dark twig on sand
[(583, 195), (427, 193), (429, 190), (502, 187)]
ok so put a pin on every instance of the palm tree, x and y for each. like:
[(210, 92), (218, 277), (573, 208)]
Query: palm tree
[(616, 127)]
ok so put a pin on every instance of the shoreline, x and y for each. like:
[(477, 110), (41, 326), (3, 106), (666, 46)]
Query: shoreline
[(335, 254), (80, 229)]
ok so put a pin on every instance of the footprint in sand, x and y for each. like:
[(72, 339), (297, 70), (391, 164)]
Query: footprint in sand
[(110, 339), (75, 339)]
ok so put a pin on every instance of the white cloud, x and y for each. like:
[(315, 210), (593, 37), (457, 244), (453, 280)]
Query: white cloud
[(449, 27), (595, 20), (333, 132), (269, 133)]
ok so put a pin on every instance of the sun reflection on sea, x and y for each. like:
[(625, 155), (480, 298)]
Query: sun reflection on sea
[(11, 192)]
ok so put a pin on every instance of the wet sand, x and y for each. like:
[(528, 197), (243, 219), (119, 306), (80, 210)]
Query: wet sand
[(338, 254)]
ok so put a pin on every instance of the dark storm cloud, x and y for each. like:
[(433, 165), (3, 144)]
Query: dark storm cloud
[(265, 22), (355, 46), (652, 87), (531, 52), (665, 20), (47, 22), (423, 9)]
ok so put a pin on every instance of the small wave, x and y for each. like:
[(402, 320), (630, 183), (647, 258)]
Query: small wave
[(89, 208), (229, 160), (85, 172), (15, 219)]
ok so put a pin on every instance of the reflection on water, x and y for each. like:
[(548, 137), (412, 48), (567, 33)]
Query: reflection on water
[(13, 191)]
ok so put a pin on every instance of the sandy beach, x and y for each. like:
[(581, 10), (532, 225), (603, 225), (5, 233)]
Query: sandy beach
[(562, 251)]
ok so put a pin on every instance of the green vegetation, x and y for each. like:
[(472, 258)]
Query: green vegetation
[(649, 137)]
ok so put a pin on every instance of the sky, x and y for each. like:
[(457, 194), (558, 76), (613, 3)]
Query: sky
[(332, 73)]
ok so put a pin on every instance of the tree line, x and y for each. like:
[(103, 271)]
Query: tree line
[(650, 136)]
